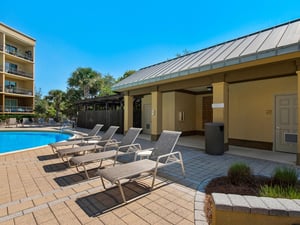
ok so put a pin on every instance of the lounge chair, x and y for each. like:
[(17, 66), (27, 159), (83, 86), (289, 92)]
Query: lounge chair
[(112, 150), (84, 139), (25, 121), (87, 145), (161, 155), (93, 133), (11, 121)]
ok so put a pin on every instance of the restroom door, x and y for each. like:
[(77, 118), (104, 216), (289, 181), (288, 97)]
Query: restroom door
[(286, 123), (147, 118)]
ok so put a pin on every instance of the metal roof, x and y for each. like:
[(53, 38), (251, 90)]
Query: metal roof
[(274, 41)]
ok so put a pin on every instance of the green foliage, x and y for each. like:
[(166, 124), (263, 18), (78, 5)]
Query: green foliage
[(126, 74), (239, 173), (285, 176), (83, 83), (86, 80), (184, 52), (56, 99), (277, 191), (108, 82)]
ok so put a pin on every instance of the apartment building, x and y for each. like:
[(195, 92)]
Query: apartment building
[(16, 72)]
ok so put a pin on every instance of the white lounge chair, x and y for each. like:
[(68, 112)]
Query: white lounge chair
[(161, 155), (115, 149), (89, 145), (25, 121), (93, 133), (11, 121), (84, 139)]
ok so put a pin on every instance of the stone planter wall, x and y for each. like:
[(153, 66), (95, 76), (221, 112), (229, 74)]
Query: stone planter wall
[(248, 210)]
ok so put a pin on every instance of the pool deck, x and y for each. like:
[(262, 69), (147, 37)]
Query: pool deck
[(38, 188)]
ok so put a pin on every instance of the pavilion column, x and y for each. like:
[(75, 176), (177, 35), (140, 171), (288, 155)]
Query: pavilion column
[(128, 112), (220, 107), (156, 115), (298, 128)]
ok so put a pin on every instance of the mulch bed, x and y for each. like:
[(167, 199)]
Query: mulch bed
[(223, 185)]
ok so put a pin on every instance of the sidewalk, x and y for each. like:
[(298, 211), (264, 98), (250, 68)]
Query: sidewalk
[(37, 188)]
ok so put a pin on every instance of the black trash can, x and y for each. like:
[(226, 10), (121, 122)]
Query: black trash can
[(214, 138)]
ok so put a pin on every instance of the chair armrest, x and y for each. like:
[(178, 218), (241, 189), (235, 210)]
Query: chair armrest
[(92, 137), (111, 143), (98, 138), (169, 155), (131, 148)]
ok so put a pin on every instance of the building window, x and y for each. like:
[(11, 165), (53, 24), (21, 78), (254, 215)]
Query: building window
[(11, 68), (11, 104), (11, 49), (10, 86)]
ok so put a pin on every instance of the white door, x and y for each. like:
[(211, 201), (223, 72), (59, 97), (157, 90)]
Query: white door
[(286, 122), (147, 119)]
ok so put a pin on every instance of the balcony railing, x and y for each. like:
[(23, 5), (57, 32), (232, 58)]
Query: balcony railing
[(18, 72), (18, 109), (27, 55), (15, 90)]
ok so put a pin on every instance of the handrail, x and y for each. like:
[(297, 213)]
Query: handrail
[(18, 109), (27, 55), (15, 90), (19, 72)]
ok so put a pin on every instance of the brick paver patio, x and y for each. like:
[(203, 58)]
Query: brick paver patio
[(38, 188)]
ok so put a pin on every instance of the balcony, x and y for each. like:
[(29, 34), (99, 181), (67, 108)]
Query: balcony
[(26, 55), (18, 109), (19, 72), (15, 90)]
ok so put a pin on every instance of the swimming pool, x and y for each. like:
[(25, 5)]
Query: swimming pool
[(16, 140)]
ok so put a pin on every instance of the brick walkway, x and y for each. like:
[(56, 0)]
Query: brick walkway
[(37, 188)]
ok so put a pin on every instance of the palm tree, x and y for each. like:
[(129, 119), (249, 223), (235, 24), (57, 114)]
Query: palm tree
[(86, 80), (56, 98)]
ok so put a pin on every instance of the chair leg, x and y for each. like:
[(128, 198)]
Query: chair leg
[(100, 163), (85, 170), (121, 191), (103, 182), (54, 150), (182, 166), (154, 177), (182, 169)]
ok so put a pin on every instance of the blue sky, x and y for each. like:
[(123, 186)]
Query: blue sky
[(115, 36)]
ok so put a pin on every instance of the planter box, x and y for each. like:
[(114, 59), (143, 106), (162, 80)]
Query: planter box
[(231, 209)]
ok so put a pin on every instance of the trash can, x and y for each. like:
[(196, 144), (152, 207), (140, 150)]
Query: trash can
[(214, 138)]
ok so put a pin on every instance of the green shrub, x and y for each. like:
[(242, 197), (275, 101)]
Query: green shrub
[(285, 176), (239, 173), (277, 191)]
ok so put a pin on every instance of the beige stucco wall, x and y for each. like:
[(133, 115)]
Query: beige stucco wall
[(251, 107), (172, 104), (146, 99)]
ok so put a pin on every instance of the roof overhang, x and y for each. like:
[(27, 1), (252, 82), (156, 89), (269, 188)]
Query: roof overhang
[(271, 45)]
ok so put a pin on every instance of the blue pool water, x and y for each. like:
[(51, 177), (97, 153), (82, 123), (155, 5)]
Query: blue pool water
[(17, 140)]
